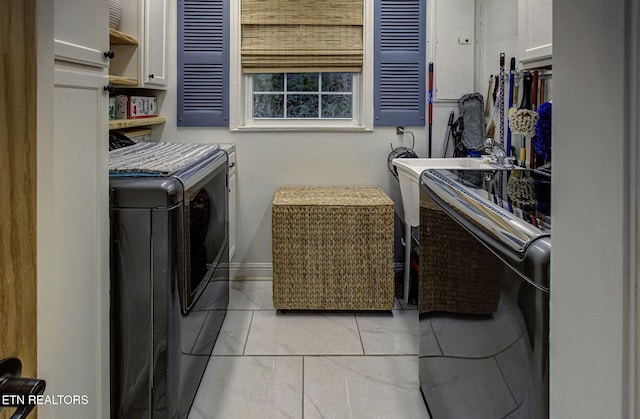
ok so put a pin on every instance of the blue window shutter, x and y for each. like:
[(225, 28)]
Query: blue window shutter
[(400, 27), (203, 57)]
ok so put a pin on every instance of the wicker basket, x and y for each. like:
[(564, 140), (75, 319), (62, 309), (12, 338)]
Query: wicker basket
[(332, 248), (457, 273)]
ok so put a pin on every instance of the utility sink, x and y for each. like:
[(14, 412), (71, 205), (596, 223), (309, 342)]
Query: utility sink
[(409, 171)]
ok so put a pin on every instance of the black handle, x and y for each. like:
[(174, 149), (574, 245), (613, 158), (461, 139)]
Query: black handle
[(109, 88), (109, 54), (151, 75), (527, 82), (18, 392)]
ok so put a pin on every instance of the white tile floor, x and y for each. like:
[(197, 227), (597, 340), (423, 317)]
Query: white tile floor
[(310, 365)]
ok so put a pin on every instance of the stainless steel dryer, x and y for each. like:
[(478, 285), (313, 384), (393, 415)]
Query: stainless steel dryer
[(484, 294), (169, 285)]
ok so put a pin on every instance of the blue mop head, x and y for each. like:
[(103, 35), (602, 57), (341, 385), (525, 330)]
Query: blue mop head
[(542, 140)]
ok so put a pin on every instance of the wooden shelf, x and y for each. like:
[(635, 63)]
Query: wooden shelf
[(120, 38), (130, 123), (122, 81)]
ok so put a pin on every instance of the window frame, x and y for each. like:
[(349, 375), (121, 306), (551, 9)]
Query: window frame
[(241, 105)]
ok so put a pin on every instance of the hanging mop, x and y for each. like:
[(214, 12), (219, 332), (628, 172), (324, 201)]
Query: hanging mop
[(523, 121), (542, 141), (499, 178), (430, 107), (512, 70)]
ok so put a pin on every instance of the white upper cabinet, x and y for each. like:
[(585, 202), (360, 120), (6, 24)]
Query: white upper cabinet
[(155, 44), (535, 32), (142, 61), (83, 41)]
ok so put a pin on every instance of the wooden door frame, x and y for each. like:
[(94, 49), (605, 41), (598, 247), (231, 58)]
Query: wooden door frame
[(18, 160)]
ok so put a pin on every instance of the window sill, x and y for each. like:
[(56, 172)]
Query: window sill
[(308, 128)]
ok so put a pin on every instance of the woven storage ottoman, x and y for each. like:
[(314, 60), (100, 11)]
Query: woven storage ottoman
[(332, 248)]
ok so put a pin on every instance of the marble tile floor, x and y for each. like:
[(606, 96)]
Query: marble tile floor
[(310, 365)]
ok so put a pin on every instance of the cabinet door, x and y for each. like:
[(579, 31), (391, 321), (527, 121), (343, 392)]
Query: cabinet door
[(74, 269), (535, 32), (81, 40), (155, 43)]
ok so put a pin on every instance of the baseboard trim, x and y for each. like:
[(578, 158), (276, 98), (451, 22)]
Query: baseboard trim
[(256, 271)]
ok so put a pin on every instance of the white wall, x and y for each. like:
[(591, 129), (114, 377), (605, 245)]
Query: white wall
[(266, 161), (590, 283), (442, 106), (496, 32)]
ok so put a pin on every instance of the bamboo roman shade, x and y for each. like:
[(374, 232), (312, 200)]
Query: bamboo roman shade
[(301, 35)]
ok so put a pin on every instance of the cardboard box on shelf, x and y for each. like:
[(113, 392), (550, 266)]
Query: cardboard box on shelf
[(133, 107)]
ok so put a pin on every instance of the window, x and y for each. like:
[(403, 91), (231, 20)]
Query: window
[(303, 70), (303, 95), (300, 101)]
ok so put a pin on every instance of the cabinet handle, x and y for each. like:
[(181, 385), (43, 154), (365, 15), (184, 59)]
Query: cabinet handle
[(151, 75), (232, 165), (109, 54), (109, 88)]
